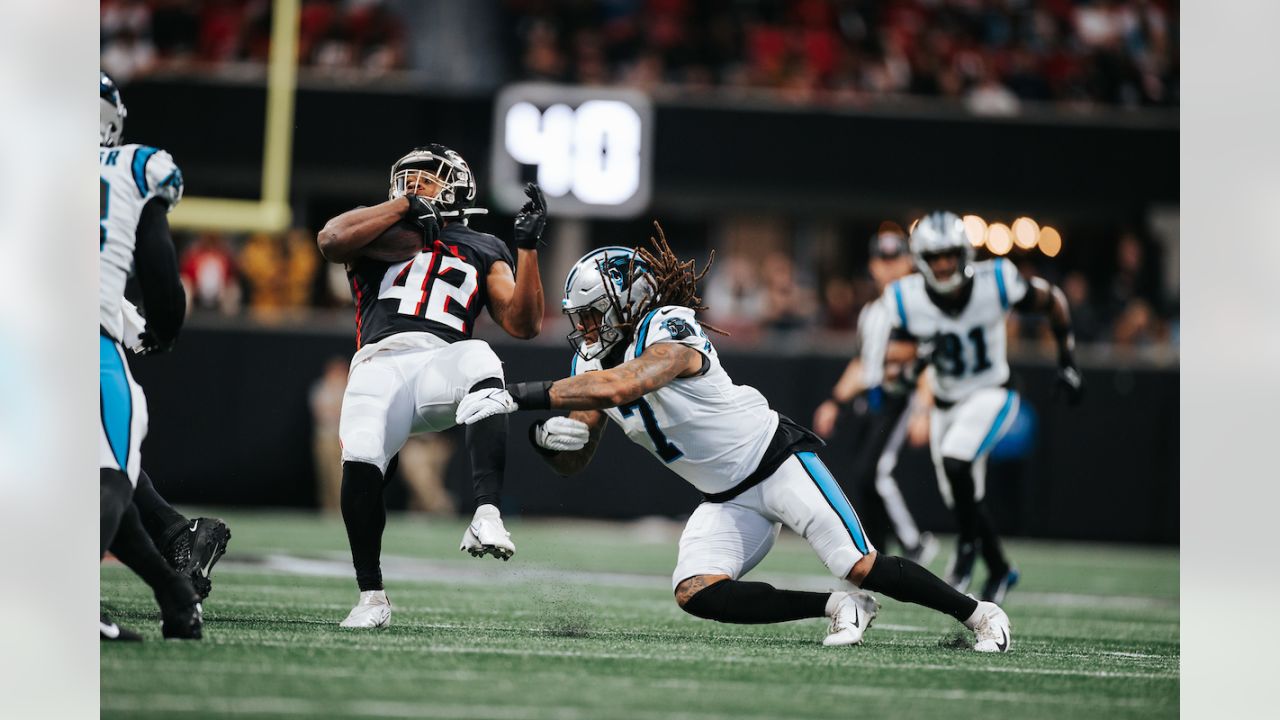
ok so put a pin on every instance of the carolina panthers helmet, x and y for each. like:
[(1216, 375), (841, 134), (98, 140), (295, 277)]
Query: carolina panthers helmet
[(614, 283), (443, 166), (939, 233), (111, 125)]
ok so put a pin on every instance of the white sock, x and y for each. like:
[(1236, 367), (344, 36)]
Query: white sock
[(833, 601)]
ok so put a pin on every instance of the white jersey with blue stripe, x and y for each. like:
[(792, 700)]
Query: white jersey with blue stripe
[(969, 347), (707, 430), (130, 176)]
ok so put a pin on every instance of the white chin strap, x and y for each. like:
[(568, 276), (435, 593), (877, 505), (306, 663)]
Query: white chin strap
[(464, 213)]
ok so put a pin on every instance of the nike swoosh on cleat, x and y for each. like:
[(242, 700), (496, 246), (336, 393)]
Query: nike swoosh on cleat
[(856, 616), (194, 525), (1005, 645)]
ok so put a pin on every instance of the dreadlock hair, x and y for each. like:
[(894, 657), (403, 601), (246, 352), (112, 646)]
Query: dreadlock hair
[(675, 281)]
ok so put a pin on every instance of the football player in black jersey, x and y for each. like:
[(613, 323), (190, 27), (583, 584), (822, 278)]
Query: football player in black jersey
[(420, 277)]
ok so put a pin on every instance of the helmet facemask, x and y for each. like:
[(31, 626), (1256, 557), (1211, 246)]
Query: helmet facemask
[(622, 291), (444, 172), (937, 234)]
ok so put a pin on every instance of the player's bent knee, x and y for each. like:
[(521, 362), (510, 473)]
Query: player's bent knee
[(364, 447), (862, 568), (689, 588)]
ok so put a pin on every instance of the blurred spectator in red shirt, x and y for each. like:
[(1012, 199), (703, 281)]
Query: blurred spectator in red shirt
[(209, 274)]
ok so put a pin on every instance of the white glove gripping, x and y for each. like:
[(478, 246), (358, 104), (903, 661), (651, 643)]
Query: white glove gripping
[(484, 403), (561, 434), (134, 326)]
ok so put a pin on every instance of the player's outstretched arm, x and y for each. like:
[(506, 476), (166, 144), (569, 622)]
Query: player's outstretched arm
[(1046, 298), (658, 365), (515, 302), (547, 435), (849, 385), (343, 237)]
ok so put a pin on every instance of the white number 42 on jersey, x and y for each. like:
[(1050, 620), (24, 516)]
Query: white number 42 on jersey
[(424, 293)]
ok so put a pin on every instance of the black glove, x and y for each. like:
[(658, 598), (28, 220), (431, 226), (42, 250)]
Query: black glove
[(1069, 381), (149, 344), (531, 220), (424, 213)]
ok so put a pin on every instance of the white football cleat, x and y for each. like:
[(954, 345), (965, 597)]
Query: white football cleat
[(486, 535), (852, 617), (373, 611), (990, 628)]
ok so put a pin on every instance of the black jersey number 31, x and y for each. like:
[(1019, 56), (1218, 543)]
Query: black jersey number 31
[(429, 284)]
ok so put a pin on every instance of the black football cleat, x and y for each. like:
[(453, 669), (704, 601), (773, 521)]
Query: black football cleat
[(196, 549), (110, 632), (999, 584), (181, 617), (960, 570)]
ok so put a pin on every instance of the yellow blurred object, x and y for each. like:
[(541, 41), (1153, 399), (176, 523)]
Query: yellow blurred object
[(1025, 233), (1050, 241), (976, 228), (999, 239)]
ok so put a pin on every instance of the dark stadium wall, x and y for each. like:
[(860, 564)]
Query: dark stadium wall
[(230, 425), (708, 157)]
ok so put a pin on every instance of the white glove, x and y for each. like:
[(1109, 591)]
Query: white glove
[(561, 433), (134, 326), (485, 403)]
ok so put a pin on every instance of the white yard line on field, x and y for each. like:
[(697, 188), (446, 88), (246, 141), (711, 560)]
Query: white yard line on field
[(472, 573)]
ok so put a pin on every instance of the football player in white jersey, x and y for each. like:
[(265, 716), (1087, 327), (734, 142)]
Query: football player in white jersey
[(644, 361), (139, 185), (952, 316), (889, 409)]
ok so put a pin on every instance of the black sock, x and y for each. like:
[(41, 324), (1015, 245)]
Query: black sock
[(487, 446), (904, 580), (116, 497), (158, 516), (992, 552), (734, 601), (135, 549), (960, 478), (365, 516)]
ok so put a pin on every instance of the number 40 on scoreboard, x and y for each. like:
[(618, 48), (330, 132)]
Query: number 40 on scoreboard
[(590, 149)]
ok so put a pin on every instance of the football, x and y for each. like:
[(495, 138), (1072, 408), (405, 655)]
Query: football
[(396, 244)]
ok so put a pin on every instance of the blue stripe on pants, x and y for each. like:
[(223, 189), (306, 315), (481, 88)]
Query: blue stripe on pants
[(116, 400), (835, 498), (993, 434)]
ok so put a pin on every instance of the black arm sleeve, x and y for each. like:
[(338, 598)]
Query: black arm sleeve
[(156, 261)]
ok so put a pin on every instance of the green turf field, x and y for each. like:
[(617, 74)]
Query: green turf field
[(581, 624)]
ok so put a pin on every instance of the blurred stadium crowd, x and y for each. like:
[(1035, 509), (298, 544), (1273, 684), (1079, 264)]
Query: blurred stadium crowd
[(758, 294), (991, 56)]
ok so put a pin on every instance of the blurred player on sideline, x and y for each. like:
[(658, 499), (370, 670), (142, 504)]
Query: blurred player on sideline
[(420, 277), (139, 185), (952, 316), (889, 410), (643, 361)]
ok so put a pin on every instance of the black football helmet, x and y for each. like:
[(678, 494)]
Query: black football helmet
[(439, 165)]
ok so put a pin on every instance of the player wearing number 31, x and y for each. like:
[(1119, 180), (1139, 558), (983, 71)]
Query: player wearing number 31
[(952, 315), (644, 361), (420, 277)]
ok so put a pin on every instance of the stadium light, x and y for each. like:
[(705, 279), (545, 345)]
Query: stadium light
[(1050, 241), (271, 213), (999, 239), (976, 228), (1025, 233)]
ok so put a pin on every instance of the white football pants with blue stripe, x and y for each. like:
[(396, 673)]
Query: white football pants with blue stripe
[(123, 412), (968, 431), (732, 537)]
